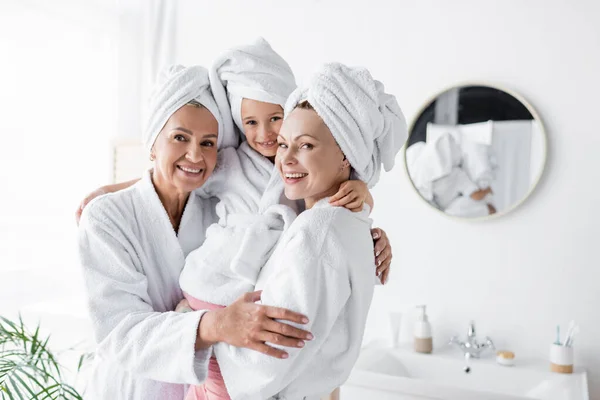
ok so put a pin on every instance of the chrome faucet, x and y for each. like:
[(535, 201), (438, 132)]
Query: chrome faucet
[(471, 347)]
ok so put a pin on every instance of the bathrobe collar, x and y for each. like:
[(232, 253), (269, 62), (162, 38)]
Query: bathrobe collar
[(159, 215), (324, 203)]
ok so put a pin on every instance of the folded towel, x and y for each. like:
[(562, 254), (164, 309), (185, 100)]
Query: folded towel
[(366, 122), (481, 132), (175, 87), (478, 161), (253, 71)]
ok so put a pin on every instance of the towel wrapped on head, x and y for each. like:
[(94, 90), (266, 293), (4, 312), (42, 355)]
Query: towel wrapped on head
[(175, 87), (366, 122), (253, 71)]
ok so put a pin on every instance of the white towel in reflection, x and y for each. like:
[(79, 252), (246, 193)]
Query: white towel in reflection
[(481, 132), (478, 161), (428, 161), (434, 168), (452, 186), (474, 141)]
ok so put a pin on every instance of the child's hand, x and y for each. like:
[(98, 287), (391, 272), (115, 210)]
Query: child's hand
[(183, 306), (99, 192), (352, 195), (86, 200)]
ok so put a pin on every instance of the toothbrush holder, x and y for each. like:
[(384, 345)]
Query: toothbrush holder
[(561, 359)]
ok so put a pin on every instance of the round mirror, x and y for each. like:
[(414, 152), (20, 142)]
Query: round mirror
[(476, 151)]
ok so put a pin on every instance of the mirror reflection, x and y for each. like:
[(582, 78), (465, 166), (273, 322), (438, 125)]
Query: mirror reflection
[(475, 151)]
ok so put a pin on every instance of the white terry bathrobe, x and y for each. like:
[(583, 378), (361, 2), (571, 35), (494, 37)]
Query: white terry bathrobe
[(132, 258), (323, 264), (240, 243), (237, 247)]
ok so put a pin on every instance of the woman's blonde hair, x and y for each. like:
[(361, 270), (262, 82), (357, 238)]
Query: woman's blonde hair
[(194, 103)]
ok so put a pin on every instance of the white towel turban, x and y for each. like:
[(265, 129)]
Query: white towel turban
[(366, 122), (253, 71), (176, 86)]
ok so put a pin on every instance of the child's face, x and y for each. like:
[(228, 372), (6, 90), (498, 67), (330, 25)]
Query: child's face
[(262, 122)]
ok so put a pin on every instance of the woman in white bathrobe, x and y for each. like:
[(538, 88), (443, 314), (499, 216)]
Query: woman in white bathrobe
[(133, 244), (341, 125)]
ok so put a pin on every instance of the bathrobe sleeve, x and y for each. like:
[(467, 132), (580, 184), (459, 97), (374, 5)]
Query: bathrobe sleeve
[(149, 344), (300, 283)]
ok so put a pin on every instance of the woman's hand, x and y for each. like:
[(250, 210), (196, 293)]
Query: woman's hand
[(352, 195), (383, 254), (86, 200), (247, 324)]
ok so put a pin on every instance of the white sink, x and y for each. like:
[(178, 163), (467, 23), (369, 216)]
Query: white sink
[(385, 374)]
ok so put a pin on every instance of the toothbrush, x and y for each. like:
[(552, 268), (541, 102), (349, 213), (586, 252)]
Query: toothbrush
[(569, 332), (557, 341), (571, 338)]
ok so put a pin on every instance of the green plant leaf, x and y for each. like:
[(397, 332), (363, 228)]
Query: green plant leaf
[(28, 369), (16, 388), (24, 385)]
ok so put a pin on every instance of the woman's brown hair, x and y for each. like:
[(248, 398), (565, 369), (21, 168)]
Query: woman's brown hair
[(305, 105)]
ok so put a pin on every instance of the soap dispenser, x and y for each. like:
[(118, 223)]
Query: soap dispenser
[(423, 339)]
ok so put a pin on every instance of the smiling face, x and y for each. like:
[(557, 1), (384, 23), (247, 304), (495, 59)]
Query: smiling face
[(262, 122), (309, 160), (185, 151)]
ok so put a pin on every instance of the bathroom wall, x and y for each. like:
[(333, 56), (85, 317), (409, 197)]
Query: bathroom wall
[(516, 276)]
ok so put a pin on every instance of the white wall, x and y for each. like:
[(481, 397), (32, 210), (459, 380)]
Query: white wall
[(517, 276)]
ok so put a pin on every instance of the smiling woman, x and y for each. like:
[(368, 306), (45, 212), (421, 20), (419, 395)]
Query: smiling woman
[(184, 157), (309, 159), (133, 244), (322, 264)]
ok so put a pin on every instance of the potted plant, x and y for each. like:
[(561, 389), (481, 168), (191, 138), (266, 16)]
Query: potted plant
[(28, 369)]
